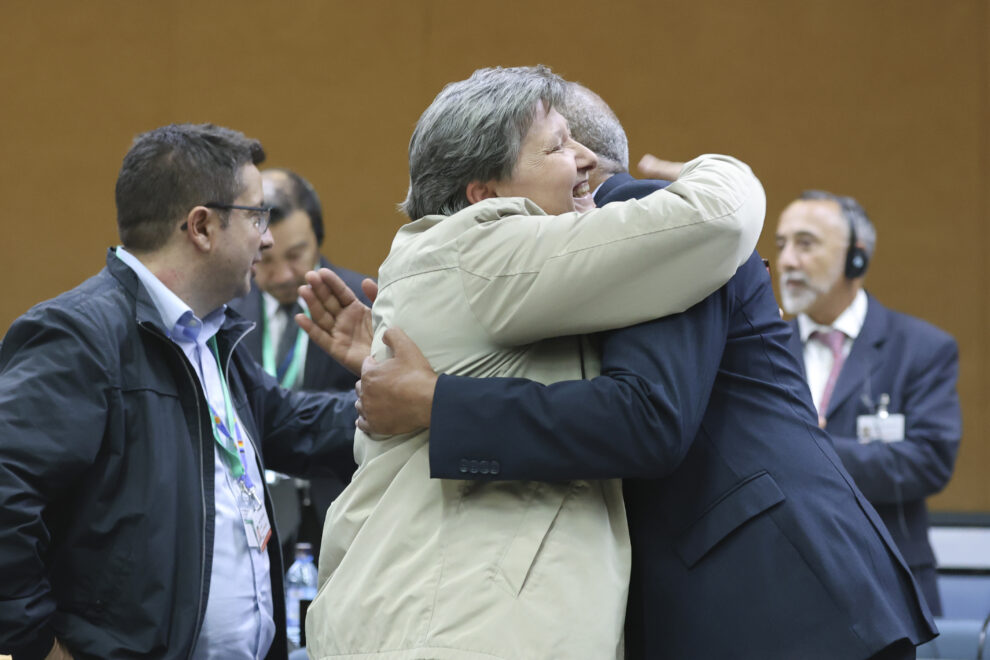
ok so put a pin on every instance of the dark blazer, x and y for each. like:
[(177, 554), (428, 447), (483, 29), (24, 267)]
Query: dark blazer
[(749, 538), (916, 364), (321, 374), (624, 186)]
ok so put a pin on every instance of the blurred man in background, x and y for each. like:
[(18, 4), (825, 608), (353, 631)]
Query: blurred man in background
[(884, 383)]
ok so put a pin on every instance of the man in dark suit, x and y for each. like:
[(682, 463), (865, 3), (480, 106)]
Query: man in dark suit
[(884, 383), (749, 537), (281, 348)]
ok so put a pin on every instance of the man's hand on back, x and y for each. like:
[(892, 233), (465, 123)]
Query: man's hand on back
[(396, 395)]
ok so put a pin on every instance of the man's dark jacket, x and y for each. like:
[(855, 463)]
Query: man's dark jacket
[(106, 472), (916, 365)]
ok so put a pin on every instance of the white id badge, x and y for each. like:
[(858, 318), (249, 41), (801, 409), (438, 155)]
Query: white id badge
[(256, 525), (889, 428)]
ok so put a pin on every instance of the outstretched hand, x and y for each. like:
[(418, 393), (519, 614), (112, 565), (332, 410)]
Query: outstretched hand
[(396, 395), (340, 323)]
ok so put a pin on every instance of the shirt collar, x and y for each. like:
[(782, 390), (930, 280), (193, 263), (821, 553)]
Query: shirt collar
[(272, 305), (850, 321), (176, 315)]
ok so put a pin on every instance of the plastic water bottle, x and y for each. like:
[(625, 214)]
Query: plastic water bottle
[(300, 585)]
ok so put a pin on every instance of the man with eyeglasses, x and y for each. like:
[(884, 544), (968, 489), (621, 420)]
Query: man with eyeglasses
[(134, 517)]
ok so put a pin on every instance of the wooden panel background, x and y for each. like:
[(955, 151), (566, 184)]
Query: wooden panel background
[(884, 100)]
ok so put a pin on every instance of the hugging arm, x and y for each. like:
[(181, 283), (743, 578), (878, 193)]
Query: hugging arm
[(637, 419)]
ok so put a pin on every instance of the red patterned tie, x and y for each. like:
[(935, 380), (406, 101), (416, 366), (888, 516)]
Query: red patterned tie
[(834, 339)]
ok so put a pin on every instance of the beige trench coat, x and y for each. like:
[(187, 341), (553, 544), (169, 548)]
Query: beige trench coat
[(413, 567)]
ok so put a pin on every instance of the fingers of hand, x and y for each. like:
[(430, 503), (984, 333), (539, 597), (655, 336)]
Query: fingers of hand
[(658, 168), (336, 286), (322, 290), (397, 340), (370, 288)]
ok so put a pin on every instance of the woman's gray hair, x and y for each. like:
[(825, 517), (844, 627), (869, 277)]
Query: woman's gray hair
[(472, 132)]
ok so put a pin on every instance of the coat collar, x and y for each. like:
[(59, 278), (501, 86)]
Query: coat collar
[(865, 357), (145, 312)]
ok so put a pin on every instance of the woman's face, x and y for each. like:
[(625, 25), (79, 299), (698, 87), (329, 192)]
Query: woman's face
[(552, 169)]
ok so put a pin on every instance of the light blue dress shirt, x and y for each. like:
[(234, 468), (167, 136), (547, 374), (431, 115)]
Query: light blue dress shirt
[(239, 619)]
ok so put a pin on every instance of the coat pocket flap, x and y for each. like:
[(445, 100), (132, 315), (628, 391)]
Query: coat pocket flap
[(750, 498), (518, 558)]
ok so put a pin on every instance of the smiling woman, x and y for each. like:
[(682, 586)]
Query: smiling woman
[(488, 284), (551, 169)]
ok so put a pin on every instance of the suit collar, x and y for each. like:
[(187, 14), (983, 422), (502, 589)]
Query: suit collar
[(611, 184), (865, 357), (796, 346)]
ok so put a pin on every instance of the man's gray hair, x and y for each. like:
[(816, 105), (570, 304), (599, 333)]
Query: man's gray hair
[(854, 214), (594, 125), (472, 132)]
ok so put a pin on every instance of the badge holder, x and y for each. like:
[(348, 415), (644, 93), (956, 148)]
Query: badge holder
[(882, 426)]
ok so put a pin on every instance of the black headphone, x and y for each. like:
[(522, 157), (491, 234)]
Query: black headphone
[(856, 258)]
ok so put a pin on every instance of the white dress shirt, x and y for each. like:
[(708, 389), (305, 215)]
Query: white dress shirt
[(817, 356), (239, 619)]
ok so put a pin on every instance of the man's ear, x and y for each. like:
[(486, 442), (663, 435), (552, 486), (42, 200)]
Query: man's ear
[(479, 190), (199, 228)]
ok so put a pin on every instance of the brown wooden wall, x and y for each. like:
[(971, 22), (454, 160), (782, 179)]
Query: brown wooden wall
[(885, 100)]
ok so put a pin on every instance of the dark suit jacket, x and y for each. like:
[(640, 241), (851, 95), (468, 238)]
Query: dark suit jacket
[(749, 537), (624, 186), (917, 365), (321, 373)]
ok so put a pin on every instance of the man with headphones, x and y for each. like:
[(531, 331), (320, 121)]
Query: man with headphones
[(884, 383)]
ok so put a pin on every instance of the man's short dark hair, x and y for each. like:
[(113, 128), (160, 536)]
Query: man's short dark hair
[(296, 193), (170, 170)]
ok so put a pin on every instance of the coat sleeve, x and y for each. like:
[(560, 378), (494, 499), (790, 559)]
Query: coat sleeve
[(922, 463), (306, 434), (530, 277), (637, 420), (54, 397)]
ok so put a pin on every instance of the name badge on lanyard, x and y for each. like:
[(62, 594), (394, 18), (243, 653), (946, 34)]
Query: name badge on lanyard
[(257, 527), (882, 426)]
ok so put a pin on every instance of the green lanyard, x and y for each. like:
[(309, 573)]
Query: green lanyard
[(232, 444), (268, 351)]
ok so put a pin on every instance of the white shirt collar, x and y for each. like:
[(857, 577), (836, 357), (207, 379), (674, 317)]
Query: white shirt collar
[(272, 305), (176, 315), (850, 321)]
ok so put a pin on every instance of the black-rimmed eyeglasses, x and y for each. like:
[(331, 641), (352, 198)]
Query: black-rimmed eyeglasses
[(261, 216)]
